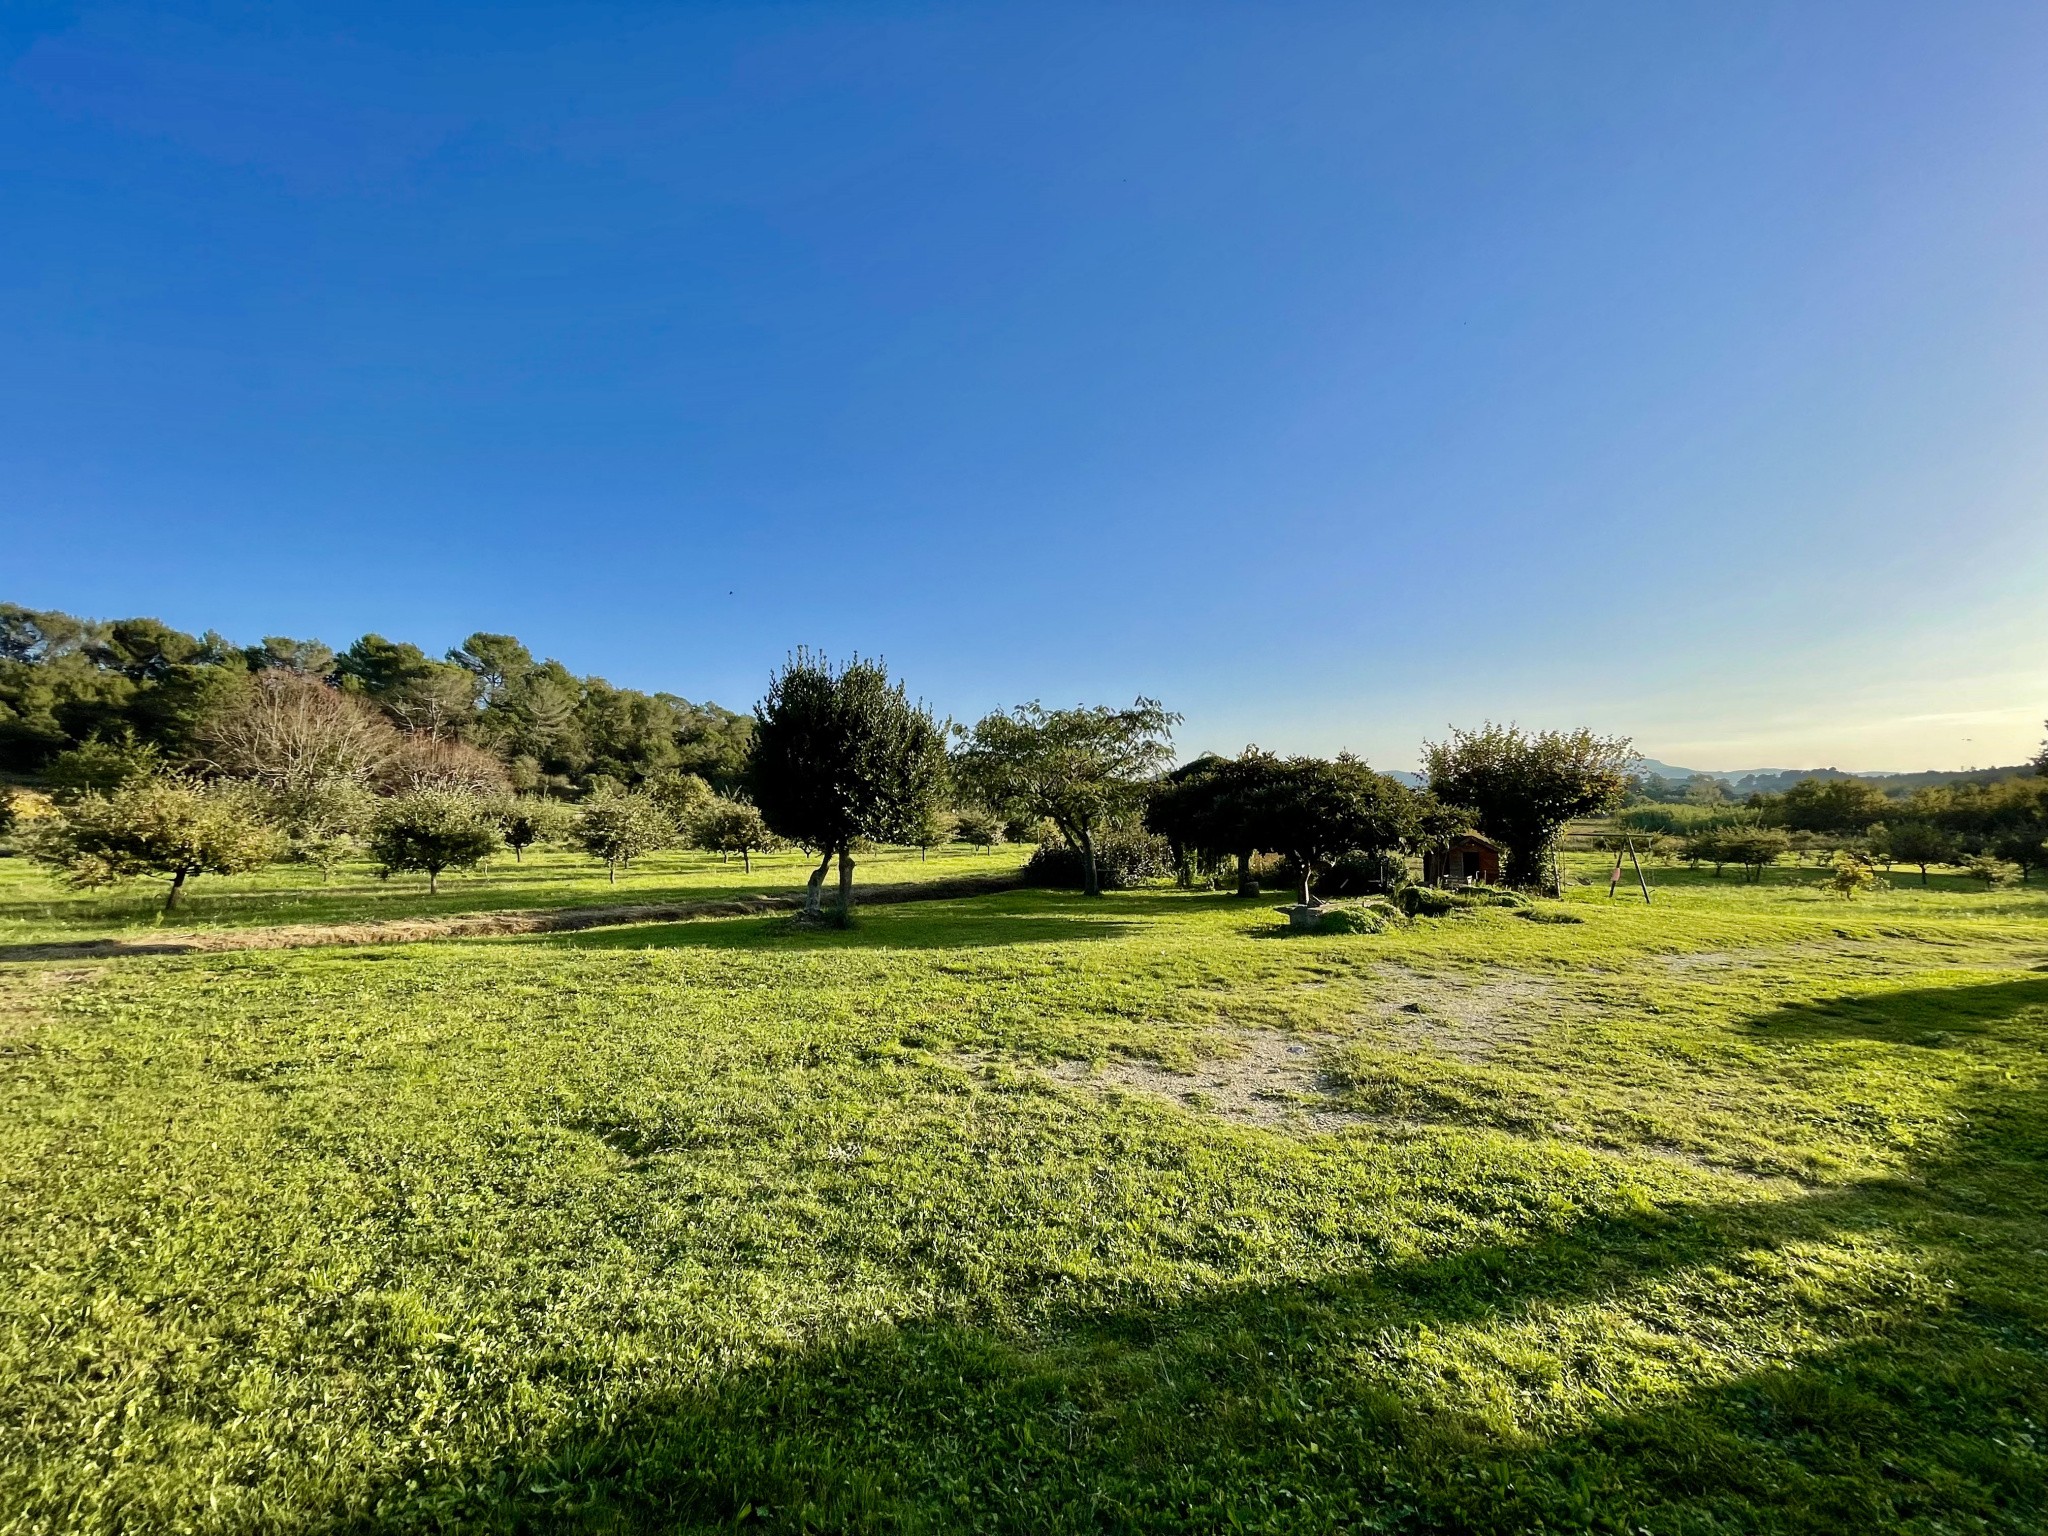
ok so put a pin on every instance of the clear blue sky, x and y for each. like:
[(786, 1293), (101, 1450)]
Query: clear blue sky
[(1330, 372)]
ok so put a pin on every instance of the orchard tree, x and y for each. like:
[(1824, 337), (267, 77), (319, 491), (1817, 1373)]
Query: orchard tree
[(933, 827), (1078, 768), (977, 827), (732, 826), (166, 828), (1525, 785), (524, 820), (840, 756), (2025, 847), (1313, 809), (432, 830), (1920, 844), (1754, 848), (620, 826)]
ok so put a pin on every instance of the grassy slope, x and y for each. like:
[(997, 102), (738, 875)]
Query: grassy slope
[(37, 909), (1731, 1221)]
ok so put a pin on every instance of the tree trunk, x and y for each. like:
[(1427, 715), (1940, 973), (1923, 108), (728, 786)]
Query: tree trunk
[(518, 856), (1091, 882), (611, 872), (845, 887), (923, 853), (433, 882), (1307, 878), (177, 885), (814, 894), (747, 860), (1246, 885)]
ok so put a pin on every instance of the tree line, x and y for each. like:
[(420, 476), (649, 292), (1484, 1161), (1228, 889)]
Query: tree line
[(314, 756), (139, 684)]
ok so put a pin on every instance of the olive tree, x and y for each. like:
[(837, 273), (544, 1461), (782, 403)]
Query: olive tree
[(433, 830), (1078, 768), (620, 826), (162, 827), (1525, 785), (841, 756)]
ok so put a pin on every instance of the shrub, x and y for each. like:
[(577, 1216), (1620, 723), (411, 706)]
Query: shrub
[(1426, 901), (1851, 874), (1352, 920), (1537, 914), (1124, 857)]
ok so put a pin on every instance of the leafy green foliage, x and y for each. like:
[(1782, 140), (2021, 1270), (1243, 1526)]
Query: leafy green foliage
[(1525, 785), (620, 826), (839, 756), (524, 820), (1920, 844), (162, 827), (1079, 768), (1314, 809), (433, 831), (732, 826)]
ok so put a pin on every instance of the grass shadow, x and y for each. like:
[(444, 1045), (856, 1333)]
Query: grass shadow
[(1315, 1405), (1913, 1016), (951, 930)]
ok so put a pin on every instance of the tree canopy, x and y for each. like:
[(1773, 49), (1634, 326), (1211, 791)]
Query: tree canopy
[(164, 826), (1076, 767), (1525, 785), (840, 756), (1315, 809)]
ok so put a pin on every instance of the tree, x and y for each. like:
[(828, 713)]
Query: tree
[(1313, 810), (1851, 875), (2025, 848), (1525, 785), (98, 767), (164, 827), (1920, 844), (1754, 848), (524, 820), (931, 828), (1079, 768), (437, 698), (733, 826), (683, 797), (1843, 806), (841, 755), (287, 731), (977, 827), (433, 830), (1990, 869), (423, 761), (308, 658), (620, 826)]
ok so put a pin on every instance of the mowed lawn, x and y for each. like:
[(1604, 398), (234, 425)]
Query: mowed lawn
[(36, 908), (1027, 1213)]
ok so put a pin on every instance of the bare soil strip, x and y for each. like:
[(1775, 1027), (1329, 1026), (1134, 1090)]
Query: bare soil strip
[(472, 925)]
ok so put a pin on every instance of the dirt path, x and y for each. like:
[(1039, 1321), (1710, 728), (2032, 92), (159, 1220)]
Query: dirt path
[(471, 925)]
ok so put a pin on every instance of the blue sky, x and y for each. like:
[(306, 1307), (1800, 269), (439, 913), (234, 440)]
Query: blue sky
[(1331, 372)]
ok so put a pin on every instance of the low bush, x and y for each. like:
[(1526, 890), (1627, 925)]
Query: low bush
[(1426, 901), (1537, 914), (1352, 920), (1123, 858)]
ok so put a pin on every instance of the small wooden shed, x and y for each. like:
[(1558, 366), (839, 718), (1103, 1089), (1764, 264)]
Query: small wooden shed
[(1466, 860)]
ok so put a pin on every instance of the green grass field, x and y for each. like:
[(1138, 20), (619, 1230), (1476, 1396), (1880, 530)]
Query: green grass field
[(35, 909), (1027, 1213)]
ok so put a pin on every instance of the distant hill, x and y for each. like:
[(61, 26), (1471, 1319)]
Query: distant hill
[(1775, 781)]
